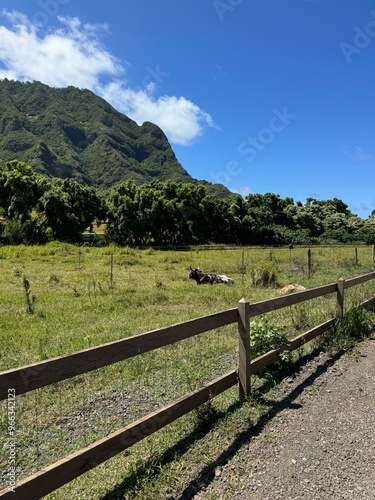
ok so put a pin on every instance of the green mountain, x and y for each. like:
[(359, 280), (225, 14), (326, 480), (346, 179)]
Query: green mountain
[(69, 132)]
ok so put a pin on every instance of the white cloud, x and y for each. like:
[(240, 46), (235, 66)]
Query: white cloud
[(180, 119), (71, 55), (74, 55), (359, 155), (243, 190)]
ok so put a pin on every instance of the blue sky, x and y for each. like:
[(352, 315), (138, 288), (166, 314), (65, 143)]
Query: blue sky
[(260, 95)]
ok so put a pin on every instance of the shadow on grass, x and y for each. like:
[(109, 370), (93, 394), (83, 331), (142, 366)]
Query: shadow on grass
[(152, 467)]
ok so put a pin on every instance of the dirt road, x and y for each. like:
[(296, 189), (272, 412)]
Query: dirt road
[(320, 444)]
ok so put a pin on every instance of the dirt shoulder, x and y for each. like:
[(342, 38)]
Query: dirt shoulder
[(321, 442)]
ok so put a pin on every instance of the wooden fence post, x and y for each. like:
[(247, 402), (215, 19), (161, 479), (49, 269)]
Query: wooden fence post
[(356, 256), (373, 252), (340, 298), (244, 349)]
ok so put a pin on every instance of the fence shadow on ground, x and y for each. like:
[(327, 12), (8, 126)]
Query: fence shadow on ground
[(152, 467), (207, 474)]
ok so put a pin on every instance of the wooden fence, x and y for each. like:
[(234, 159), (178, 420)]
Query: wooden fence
[(44, 373)]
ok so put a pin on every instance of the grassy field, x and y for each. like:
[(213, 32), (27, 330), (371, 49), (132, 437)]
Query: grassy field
[(79, 297)]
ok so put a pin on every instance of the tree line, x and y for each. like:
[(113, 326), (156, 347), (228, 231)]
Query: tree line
[(37, 209)]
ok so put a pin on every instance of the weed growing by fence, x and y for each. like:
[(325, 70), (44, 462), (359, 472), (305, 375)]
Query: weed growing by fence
[(263, 274), (266, 336), (29, 299), (355, 326)]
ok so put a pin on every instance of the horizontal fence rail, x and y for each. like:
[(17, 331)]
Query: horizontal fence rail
[(54, 370), (76, 464), (359, 279), (278, 303), (31, 377), (261, 362)]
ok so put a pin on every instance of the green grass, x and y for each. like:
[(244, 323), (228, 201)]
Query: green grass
[(78, 303)]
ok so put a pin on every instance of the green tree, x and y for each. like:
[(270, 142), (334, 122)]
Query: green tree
[(341, 226), (20, 189), (218, 221), (124, 223), (312, 214), (366, 232), (68, 208), (158, 213), (264, 212)]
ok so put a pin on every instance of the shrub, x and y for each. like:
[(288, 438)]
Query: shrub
[(263, 274), (265, 336), (355, 326), (16, 232)]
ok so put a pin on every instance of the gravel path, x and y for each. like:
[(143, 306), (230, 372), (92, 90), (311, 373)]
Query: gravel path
[(321, 442)]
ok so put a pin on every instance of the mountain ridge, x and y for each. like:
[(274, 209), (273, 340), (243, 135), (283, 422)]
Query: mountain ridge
[(71, 132)]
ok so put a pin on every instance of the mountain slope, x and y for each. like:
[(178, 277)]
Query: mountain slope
[(69, 132)]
